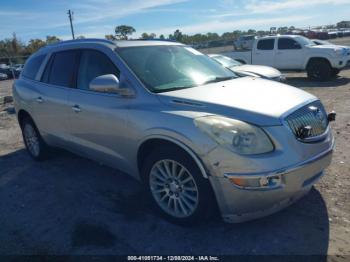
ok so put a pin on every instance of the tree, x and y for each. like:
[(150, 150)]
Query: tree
[(122, 31), (34, 45), (148, 36), (144, 36), (110, 37), (16, 45), (161, 37), (178, 35), (81, 37), (50, 39)]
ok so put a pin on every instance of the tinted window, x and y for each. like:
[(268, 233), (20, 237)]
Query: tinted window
[(248, 37), (287, 43), (32, 66), (94, 64), (46, 74), (266, 44), (62, 69)]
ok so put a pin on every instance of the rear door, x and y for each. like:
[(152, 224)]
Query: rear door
[(98, 121), (51, 104), (263, 53), (289, 54)]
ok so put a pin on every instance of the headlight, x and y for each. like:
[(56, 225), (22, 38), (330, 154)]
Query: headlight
[(341, 52), (238, 136)]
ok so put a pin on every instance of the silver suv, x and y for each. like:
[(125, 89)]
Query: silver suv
[(196, 135)]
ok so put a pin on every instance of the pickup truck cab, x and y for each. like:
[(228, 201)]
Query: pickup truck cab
[(296, 53)]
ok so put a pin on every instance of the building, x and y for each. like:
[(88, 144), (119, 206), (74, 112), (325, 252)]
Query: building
[(343, 24)]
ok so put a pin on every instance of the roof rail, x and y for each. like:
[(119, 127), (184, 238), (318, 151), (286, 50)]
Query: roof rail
[(82, 41)]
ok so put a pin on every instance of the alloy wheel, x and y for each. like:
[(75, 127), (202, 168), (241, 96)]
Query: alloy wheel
[(174, 188), (32, 140)]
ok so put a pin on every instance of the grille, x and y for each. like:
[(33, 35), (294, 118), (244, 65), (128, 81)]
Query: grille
[(308, 121)]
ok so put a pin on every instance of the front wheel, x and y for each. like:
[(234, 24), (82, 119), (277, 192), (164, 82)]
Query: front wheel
[(335, 72), (34, 143), (319, 70), (176, 186)]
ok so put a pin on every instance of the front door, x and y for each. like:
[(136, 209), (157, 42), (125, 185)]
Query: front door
[(98, 121), (289, 54)]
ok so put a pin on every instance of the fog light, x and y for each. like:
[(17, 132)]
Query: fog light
[(255, 182)]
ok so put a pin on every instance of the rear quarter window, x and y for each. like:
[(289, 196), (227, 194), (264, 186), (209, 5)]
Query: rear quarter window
[(266, 44), (32, 66)]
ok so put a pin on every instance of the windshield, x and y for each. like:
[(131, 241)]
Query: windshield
[(305, 41), (168, 68), (226, 61)]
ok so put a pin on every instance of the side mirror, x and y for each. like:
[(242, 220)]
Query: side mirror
[(297, 45), (109, 84)]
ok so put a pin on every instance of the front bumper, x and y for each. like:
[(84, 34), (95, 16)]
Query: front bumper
[(341, 62), (238, 204)]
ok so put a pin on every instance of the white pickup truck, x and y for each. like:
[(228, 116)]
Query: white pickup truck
[(296, 53)]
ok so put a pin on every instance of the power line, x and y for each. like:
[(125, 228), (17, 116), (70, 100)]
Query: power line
[(70, 15)]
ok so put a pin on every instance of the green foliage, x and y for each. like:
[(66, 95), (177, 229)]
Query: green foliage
[(110, 37), (123, 31), (34, 45), (148, 36), (50, 39)]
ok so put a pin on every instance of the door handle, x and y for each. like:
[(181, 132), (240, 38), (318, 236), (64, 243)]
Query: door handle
[(76, 108), (40, 99), (279, 53)]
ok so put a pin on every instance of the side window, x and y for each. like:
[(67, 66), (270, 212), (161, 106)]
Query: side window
[(94, 64), (287, 43), (46, 74), (266, 44), (61, 69), (32, 66)]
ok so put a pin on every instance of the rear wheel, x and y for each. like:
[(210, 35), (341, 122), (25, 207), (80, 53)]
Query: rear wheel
[(176, 186), (319, 70), (34, 143)]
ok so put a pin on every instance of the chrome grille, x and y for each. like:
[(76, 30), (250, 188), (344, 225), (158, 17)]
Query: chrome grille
[(311, 118)]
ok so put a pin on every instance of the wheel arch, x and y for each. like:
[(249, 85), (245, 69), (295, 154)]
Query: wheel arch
[(156, 141), (23, 114), (315, 59)]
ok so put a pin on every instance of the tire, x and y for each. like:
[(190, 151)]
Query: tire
[(335, 72), (35, 145), (192, 198), (319, 70)]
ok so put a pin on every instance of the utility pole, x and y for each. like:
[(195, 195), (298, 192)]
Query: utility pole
[(70, 15)]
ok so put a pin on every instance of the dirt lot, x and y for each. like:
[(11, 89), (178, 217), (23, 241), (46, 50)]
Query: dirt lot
[(70, 205)]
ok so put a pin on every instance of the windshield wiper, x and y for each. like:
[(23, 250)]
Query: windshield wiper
[(218, 79), (171, 89)]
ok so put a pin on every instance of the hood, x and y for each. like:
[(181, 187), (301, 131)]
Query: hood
[(264, 71), (254, 100), (327, 47)]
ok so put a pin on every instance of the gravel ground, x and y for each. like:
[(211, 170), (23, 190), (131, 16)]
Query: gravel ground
[(70, 205)]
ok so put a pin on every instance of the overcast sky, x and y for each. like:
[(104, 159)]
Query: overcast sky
[(95, 18)]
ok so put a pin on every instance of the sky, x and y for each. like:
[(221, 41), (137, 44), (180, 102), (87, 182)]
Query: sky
[(95, 18)]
